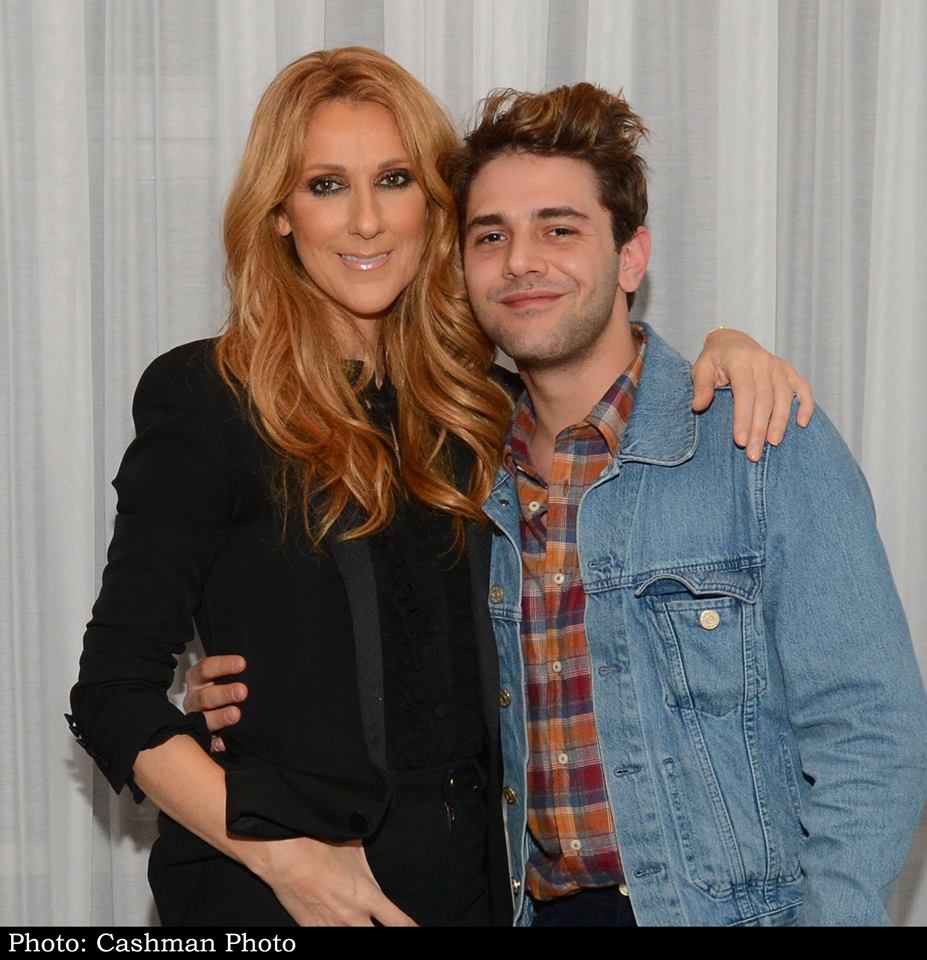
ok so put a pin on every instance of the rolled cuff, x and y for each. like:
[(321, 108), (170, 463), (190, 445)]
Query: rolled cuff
[(274, 803), (116, 762)]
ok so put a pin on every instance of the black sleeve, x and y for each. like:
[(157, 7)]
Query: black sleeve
[(174, 504)]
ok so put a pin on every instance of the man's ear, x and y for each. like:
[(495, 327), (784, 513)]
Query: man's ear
[(283, 224), (634, 257)]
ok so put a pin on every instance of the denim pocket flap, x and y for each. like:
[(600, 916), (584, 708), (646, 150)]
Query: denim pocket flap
[(703, 624), (743, 583)]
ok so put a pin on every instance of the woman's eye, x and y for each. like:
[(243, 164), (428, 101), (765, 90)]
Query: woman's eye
[(324, 186), (396, 179)]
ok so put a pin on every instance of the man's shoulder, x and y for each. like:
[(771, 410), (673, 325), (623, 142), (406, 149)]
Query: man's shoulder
[(811, 459)]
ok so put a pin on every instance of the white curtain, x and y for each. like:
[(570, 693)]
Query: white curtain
[(789, 198)]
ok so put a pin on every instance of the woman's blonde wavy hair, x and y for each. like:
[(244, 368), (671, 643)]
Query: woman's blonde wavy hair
[(279, 348)]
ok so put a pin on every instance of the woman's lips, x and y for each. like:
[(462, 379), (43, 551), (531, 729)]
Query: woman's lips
[(355, 261)]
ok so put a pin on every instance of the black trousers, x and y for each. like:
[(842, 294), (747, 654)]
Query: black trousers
[(430, 855)]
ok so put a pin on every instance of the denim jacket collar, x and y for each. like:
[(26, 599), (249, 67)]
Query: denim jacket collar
[(663, 429)]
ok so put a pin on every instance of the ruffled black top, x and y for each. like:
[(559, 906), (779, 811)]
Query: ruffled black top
[(431, 683)]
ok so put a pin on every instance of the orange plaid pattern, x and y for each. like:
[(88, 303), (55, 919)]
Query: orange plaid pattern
[(569, 817)]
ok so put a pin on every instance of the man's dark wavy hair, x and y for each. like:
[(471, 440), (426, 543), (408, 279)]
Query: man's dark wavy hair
[(581, 121)]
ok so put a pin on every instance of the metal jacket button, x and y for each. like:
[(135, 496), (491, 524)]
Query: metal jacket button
[(505, 698), (709, 619), (509, 795), (496, 594)]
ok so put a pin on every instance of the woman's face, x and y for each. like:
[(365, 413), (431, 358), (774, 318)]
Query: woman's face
[(358, 216)]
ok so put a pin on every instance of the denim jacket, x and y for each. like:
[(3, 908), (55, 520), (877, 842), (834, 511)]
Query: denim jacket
[(760, 712)]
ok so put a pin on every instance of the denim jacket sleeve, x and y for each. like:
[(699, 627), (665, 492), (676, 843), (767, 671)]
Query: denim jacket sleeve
[(854, 692)]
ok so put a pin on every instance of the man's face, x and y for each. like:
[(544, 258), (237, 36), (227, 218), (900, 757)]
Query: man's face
[(542, 271)]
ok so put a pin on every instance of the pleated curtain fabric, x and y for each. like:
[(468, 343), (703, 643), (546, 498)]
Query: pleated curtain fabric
[(787, 158)]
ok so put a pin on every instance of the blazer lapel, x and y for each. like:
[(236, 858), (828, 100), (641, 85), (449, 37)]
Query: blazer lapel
[(479, 545), (352, 557)]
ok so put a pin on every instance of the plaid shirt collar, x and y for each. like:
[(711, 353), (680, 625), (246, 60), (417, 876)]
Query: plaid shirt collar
[(605, 417)]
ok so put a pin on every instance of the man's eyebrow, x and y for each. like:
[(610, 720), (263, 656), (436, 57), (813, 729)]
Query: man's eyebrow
[(557, 213), (486, 220), (544, 213)]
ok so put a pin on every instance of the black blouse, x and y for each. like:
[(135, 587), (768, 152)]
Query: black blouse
[(431, 681)]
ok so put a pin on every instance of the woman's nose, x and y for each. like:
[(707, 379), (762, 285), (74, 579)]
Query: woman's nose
[(366, 216)]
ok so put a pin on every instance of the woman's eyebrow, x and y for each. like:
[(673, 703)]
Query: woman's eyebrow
[(340, 168)]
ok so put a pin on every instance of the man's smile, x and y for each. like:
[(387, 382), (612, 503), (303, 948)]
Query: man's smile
[(530, 299)]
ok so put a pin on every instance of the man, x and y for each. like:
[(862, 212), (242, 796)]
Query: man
[(711, 713), (709, 705)]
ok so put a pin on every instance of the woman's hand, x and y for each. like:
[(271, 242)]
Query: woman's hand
[(215, 700), (762, 384), (325, 884), (317, 883)]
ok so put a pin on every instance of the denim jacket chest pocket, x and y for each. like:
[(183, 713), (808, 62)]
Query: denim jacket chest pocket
[(703, 625)]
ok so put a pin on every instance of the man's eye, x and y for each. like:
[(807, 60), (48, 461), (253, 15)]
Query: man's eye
[(324, 186), (486, 238), (396, 179), (562, 232)]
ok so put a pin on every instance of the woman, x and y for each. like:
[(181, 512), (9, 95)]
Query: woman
[(307, 489)]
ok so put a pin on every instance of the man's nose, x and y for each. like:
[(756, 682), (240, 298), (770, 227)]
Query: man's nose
[(524, 256)]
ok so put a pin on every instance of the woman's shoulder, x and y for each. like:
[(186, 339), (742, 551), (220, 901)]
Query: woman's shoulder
[(188, 376), (191, 365)]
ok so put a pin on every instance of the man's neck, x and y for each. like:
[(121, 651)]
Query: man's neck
[(564, 395)]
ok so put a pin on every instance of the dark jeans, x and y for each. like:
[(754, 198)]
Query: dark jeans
[(605, 907)]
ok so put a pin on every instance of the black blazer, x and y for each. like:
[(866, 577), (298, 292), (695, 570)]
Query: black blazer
[(198, 539)]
